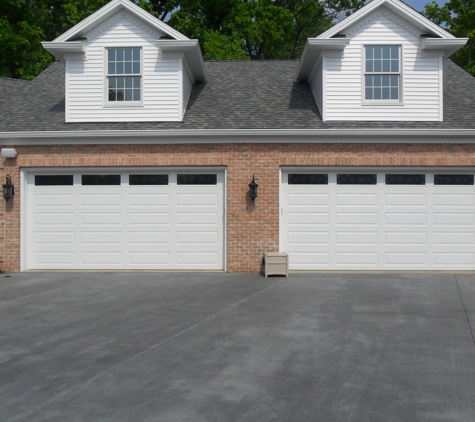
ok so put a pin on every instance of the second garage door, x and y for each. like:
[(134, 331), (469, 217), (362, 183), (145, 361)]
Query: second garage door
[(349, 219), (110, 219)]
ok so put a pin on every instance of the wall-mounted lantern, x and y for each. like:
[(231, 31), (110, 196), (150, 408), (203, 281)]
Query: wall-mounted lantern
[(253, 189), (8, 189)]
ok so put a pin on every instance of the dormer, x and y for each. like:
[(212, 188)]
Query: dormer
[(383, 63), (124, 65)]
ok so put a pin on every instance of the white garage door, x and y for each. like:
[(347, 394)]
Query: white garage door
[(106, 219), (378, 220)]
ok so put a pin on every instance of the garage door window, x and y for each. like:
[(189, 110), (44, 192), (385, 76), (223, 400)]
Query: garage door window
[(196, 179), (453, 179), (56, 180), (308, 179), (100, 179), (405, 179), (356, 179), (148, 179)]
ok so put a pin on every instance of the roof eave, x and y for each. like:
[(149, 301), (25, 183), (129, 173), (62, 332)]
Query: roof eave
[(449, 46), (192, 51)]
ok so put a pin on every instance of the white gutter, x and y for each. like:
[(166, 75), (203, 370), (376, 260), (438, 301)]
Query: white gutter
[(214, 136)]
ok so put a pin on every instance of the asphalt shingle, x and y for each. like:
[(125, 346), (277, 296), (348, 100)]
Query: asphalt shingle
[(238, 95)]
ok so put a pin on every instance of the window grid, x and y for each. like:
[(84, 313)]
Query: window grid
[(122, 62), (382, 73)]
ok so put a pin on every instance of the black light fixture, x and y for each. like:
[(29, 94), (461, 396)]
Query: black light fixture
[(253, 189), (8, 189)]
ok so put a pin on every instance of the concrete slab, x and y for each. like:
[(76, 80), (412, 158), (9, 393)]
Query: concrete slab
[(233, 347)]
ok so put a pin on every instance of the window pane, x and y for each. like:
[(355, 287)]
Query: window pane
[(356, 179), (136, 82), (369, 52), (369, 94), (136, 94), (369, 65), (111, 68), (100, 179), (377, 66), (148, 179), (377, 93), (385, 80), (120, 55), (120, 95), (386, 52), (395, 52), (128, 82), (111, 54), (405, 179), (453, 179), (128, 68), (58, 180), (136, 68), (394, 94), (119, 68), (394, 65), (197, 179), (112, 82), (386, 95), (136, 54), (128, 55), (128, 95), (377, 52), (308, 179), (386, 65), (112, 95), (120, 82)]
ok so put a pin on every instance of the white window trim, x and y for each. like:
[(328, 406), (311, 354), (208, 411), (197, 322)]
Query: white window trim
[(121, 104), (392, 103)]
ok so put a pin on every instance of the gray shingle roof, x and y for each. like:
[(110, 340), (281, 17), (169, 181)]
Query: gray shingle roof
[(239, 95)]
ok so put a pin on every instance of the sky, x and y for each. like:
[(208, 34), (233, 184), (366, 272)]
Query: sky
[(419, 4)]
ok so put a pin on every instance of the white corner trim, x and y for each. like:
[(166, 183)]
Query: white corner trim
[(441, 89), (180, 89)]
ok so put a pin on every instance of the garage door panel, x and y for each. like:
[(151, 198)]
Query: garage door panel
[(368, 218), (357, 238), (406, 219), (454, 219), (148, 218), (405, 238), (405, 259), (304, 218), (50, 200), (162, 226), (95, 238), (143, 200), (149, 238), (460, 200), (101, 200), (54, 219), (149, 258), (308, 199), (406, 200), (357, 200), (379, 227)]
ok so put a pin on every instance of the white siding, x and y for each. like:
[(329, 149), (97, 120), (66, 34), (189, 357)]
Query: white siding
[(86, 80), (187, 87), (420, 77), (316, 86)]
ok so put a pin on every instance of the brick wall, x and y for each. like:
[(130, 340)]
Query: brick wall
[(250, 230)]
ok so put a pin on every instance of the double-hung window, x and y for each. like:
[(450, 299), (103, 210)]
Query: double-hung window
[(382, 73), (124, 75)]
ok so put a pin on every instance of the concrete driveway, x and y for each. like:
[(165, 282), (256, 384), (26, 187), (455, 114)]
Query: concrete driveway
[(232, 347)]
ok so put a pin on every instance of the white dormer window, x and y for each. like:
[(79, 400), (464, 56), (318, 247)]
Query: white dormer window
[(124, 76), (382, 73)]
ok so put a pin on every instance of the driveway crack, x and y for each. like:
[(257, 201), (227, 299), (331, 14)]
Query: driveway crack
[(464, 309)]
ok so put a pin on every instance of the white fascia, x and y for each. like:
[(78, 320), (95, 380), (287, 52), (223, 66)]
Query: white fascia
[(311, 52), (214, 136), (59, 49), (448, 46), (192, 51)]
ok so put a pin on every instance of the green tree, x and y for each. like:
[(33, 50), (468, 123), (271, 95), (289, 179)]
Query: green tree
[(458, 16)]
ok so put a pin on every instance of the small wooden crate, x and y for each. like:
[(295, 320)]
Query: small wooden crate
[(276, 263)]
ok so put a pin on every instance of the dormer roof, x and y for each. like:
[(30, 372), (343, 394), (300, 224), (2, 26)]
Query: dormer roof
[(74, 40), (432, 35)]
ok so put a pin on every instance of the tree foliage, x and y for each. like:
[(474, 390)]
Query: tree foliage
[(227, 29), (458, 17)]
